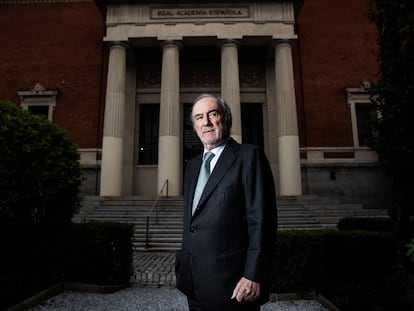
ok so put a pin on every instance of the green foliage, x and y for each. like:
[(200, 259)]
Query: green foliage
[(353, 269), (40, 174), (393, 96), (383, 224), (100, 253), (394, 92), (40, 255), (410, 250)]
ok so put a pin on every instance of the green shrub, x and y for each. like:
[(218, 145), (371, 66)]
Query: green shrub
[(40, 174), (100, 253), (366, 224), (298, 260), (355, 269), (36, 256)]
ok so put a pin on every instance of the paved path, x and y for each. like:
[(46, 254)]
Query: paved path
[(153, 289), (154, 269), (148, 299)]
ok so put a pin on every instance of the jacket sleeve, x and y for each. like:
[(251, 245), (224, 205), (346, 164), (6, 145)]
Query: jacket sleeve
[(260, 200)]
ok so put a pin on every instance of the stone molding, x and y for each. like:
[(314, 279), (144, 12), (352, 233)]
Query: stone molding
[(38, 90), (38, 96), (329, 155)]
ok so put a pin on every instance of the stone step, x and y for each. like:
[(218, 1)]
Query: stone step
[(157, 247), (134, 215), (304, 226), (174, 234), (344, 210)]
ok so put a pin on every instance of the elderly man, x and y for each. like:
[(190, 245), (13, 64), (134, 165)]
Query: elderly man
[(229, 217)]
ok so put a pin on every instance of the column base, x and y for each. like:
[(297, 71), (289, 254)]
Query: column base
[(290, 177), (111, 168), (169, 164)]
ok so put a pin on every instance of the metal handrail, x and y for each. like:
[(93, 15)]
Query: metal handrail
[(154, 205)]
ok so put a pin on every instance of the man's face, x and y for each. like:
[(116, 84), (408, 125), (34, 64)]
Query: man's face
[(208, 122)]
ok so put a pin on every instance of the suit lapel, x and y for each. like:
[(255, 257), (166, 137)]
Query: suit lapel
[(222, 166)]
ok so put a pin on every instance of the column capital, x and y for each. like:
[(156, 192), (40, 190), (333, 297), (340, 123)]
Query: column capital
[(114, 44), (233, 42), (176, 43), (283, 42)]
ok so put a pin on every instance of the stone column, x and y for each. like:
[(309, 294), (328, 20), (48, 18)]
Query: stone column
[(112, 145), (230, 84), (290, 181), (128, 167), (169, 164)]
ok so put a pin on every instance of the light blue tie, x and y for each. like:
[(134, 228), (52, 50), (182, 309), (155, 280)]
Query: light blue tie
[(202, 178)]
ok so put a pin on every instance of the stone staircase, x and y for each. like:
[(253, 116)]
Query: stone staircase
[(291, 214), (314, 212), (165, 222)]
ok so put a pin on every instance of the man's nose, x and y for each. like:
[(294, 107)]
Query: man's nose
[(206, 120)]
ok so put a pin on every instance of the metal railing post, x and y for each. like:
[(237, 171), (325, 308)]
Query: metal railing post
[(154, 205), (147, 233)]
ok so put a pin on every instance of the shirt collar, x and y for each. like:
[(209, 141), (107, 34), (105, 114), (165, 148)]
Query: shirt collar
[(217, 150)]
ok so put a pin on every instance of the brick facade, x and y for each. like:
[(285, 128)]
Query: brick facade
[(337, 44), (60, 46)]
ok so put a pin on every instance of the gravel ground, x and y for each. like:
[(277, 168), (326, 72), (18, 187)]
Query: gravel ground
[(149, 299)]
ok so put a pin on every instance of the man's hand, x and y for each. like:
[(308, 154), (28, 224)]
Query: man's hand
[(246, 290)]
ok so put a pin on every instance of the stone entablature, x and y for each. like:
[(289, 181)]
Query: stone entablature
[(224, 21)]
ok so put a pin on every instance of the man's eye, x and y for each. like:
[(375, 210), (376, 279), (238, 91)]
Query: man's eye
[(213, 114)]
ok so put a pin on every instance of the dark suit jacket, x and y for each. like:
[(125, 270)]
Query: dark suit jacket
[(232, 232)]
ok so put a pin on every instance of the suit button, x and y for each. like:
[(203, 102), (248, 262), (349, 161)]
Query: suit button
[(188, 254), (192, 229)]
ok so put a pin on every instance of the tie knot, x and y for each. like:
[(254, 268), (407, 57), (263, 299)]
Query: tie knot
[(208, 156)]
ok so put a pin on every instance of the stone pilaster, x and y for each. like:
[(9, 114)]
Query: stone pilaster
[(290, 181), (112, 145), (169, 164), (230, 84)]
